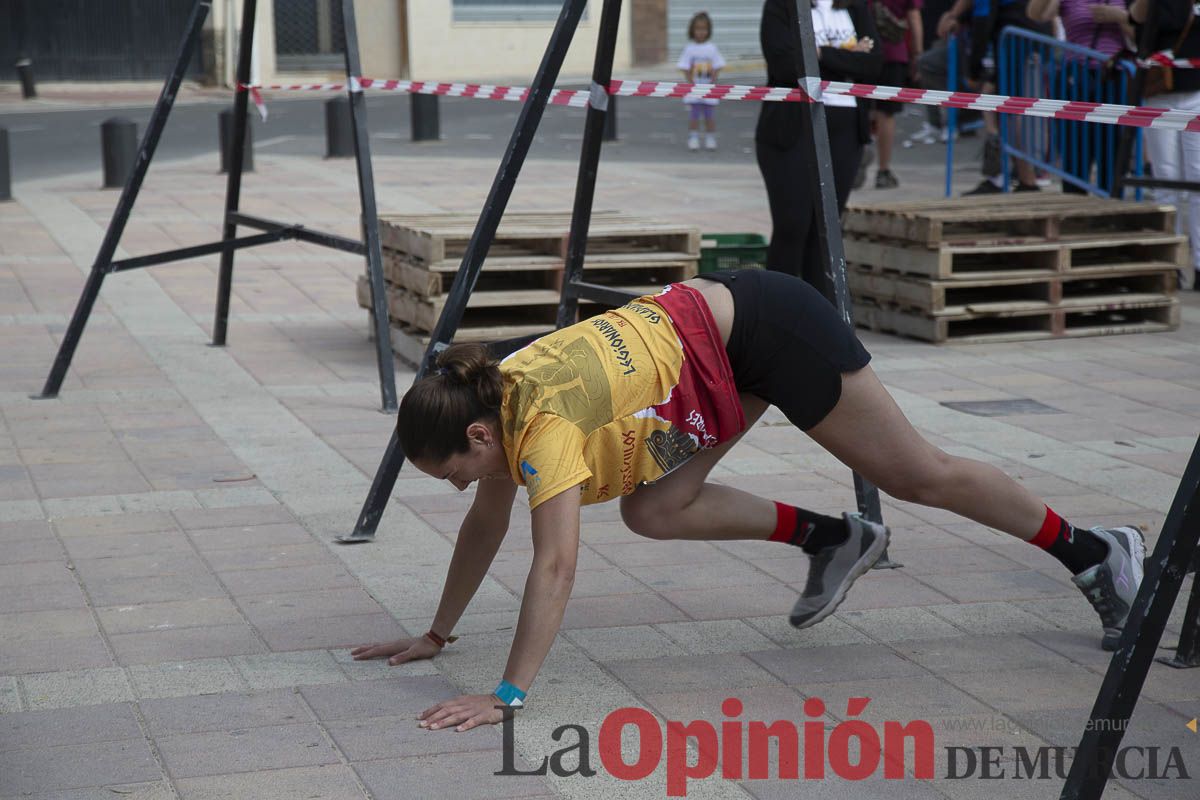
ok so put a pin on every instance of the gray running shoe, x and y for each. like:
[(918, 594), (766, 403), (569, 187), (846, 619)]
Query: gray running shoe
[(833, 570), (1112, 584)]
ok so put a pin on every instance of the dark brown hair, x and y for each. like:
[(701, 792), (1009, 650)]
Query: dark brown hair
[(436, 411), (701, 16)]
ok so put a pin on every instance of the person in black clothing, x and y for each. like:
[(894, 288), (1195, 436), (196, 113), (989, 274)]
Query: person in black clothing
[(1175, 155), (846, 34), (989, 18)]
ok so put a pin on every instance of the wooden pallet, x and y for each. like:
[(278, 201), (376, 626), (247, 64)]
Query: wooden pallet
[(439, 241), (409, 344), (1048, 290), (1006, 219), (530, 272), (1024, 259), (1019, 322), (519, 310), (520, 284)]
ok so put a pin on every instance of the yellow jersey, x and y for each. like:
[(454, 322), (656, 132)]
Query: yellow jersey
[(618, 400)]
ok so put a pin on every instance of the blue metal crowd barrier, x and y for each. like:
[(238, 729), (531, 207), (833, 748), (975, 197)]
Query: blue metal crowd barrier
[(1082, 154), (953, 45)]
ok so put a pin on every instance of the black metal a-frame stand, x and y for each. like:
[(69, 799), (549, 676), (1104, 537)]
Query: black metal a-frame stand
[(271, 231), (1165, 572), (574, 287)]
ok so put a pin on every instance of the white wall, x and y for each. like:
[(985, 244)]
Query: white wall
[(439, 47), (379, 30), (443, 49)]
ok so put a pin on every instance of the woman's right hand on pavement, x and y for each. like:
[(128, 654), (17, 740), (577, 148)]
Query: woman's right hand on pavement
[(397, 652)]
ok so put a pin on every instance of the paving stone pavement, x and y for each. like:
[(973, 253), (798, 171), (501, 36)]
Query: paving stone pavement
[(176, 619)]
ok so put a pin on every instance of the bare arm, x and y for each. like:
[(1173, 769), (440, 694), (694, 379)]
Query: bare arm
[(948, 22), (916, 30), (555, 549), (1137, 11), (479, 538), (1042, 10), (1127, 29), (551, 577)]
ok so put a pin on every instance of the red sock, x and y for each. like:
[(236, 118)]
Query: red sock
[(807, 530), (785, 523), (1077, 549), (1051, 527)]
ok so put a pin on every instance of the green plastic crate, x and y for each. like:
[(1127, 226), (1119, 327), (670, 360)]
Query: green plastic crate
[(732, 251)]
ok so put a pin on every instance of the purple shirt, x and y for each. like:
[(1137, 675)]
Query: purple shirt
[(1082, 29), (898, 51)]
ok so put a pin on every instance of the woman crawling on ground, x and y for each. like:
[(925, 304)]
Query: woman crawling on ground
[(641, 403)]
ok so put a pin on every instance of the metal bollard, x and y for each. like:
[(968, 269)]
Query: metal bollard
[(25, 75), (425, 118), (118, 150), (339, 128), (610, 120), (225, 138), (5, 167)]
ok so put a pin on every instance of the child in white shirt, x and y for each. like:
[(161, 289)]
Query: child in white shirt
[(701, 61)]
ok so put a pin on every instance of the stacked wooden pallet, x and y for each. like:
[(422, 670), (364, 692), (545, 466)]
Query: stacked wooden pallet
[(519, 287), (1013, 267)]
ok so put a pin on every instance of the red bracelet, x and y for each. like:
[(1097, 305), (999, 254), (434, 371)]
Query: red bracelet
[(433, 637)]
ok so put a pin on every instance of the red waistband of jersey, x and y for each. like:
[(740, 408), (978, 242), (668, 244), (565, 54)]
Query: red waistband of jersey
[(705, 402)]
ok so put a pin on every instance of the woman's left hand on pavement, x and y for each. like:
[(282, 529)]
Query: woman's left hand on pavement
[(463, 713)]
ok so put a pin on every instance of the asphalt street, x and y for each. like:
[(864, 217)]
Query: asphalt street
[(50, 143)]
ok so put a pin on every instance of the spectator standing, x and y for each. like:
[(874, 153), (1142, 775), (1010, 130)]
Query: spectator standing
[(1176, 154), (933, 65), (845, 33), (988, 19), (902, 38), (1101, 25), (701, 62)]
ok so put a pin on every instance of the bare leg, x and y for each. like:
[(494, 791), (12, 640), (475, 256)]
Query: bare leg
[(885, 138), (869, 433), (683, 506)]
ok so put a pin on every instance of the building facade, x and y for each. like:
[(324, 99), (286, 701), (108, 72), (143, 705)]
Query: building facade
[(480, 40), (302, 40)]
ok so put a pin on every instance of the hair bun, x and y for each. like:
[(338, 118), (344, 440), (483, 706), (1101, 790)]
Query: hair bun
[(471, 364)]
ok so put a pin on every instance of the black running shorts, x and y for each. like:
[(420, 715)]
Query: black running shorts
[(789, 345)]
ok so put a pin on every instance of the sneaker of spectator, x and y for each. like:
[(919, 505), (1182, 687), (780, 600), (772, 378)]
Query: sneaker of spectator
[(986, 186), (884, 179)]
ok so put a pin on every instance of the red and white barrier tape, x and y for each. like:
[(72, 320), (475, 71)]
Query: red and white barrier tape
[(1077, 110)]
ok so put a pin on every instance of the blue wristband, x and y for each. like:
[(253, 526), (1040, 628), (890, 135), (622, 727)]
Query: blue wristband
[(509, 694)]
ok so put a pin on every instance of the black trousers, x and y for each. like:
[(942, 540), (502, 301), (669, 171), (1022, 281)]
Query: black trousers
[(788, 345), (795, 247)]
